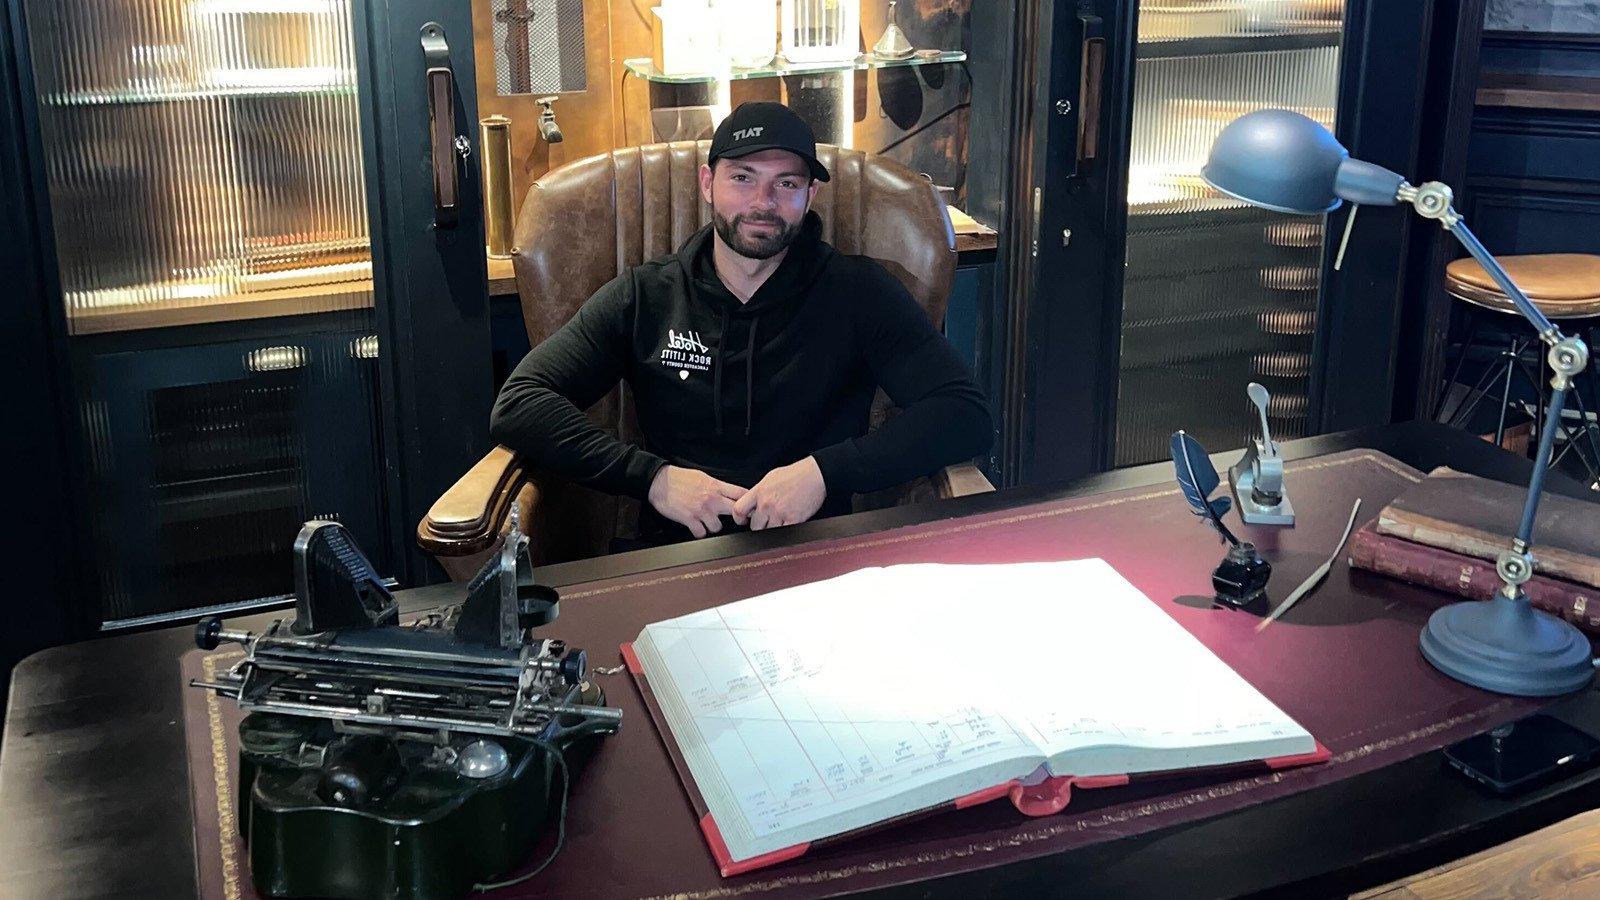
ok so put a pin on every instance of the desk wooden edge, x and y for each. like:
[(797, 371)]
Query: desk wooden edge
[(1556, 858)]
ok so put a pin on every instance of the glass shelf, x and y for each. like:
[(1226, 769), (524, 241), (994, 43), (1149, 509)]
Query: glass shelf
[(174, 95), (219, 82), (1166, 48), (643, 67)]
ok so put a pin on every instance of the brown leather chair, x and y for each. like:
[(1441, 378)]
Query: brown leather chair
[(586, 222)]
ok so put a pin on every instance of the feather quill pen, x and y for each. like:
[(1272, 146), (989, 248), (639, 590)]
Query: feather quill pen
[(1198, 478)]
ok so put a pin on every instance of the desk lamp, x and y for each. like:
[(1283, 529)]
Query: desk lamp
[(1283, 161)]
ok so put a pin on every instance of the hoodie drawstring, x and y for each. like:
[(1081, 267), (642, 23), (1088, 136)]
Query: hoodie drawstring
[(749, 373), (716, 377)]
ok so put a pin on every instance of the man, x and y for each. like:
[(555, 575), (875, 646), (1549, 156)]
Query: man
[(753, 354)]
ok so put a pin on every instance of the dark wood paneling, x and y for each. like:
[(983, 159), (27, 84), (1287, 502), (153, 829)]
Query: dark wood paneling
[(1549, 145), (1533, 174), (1543, 53), (1512, 216)]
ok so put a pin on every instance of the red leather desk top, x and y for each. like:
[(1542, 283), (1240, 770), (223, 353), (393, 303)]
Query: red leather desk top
[(1344, 663)]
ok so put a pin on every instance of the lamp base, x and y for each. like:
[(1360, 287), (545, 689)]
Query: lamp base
[(1509, 647)]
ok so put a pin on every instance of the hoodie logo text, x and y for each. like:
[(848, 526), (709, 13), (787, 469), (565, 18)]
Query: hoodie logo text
[(689, 340), (686, 353)]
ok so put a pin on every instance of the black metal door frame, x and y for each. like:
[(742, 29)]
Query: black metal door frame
[(1384, 63), (430, 282), (49, 595), (1075, 243)]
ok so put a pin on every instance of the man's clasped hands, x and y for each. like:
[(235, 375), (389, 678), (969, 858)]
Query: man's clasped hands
[(784, 496)]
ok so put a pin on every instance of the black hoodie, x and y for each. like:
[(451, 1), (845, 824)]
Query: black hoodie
[(737, 390)]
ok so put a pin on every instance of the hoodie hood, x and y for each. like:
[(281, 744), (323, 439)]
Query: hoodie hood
[(805, 260), (802, 264)]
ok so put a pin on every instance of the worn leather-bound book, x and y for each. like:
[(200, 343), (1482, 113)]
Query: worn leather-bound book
[(1477, 517), (1468, 576)]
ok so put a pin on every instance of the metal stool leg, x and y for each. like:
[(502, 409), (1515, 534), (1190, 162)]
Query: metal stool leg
[(1473, 321), (1541, 388), (1479, 390), (1573, 437), (1592, 463), (1571, 442), (1505, 392)]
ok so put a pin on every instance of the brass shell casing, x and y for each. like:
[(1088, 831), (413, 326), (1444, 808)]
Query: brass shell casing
[(494, 133)]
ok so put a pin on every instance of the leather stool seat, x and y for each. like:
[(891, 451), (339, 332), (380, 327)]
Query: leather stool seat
[(1561, 285), (1566, 288)]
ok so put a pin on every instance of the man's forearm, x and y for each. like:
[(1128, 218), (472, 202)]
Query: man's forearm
[(553, 434), (936, 431)]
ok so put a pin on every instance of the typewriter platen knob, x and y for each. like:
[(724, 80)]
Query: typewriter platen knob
[(206, 633), (574, 666)]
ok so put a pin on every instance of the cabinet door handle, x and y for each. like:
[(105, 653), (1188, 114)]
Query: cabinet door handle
[(441, 85), (1091, 89)]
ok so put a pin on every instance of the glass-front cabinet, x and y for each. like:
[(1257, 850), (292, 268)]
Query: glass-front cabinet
[(203, 160), (1145, 301), (207, 175), (1217, 294)]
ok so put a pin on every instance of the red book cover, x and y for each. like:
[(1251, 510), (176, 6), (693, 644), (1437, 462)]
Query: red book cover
[(1047, 797), (1468, 576)]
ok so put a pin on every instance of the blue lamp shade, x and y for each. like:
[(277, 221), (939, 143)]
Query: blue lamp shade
[(1286, 162)]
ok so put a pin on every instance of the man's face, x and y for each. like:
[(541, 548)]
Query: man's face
[(758, 202)]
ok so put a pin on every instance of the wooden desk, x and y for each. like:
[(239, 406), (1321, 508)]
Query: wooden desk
[(93, 776)]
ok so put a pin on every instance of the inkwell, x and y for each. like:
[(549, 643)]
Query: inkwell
[(1240, 580)]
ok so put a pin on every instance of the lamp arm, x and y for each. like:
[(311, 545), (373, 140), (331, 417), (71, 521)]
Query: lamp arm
[(1458, 227), (1432, 200), (1541, 465), (1567, 357)]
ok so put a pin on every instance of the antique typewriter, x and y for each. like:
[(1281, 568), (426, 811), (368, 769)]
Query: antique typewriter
[(404, 760)]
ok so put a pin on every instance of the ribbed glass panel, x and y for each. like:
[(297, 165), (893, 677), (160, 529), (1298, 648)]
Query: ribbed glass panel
[(205, 461), (1217, 294), (203, 157), (1180, 20)]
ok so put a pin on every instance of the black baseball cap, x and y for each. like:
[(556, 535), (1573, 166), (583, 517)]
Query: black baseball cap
[(764, 125)]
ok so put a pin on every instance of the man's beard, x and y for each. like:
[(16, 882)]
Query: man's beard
[(755, 247)]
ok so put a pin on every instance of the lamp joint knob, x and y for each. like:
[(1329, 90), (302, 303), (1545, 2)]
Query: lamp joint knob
[(1568, 356), (1432, 200), (1514, 568)]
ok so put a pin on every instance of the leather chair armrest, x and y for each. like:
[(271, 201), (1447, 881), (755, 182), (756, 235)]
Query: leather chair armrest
[(467, 518), (960, 481)]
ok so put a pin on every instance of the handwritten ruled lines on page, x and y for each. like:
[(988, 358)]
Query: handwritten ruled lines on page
[(833, 705), (806, 708)]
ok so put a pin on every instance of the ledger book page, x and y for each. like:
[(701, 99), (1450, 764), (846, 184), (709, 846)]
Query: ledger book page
[(829, 706)]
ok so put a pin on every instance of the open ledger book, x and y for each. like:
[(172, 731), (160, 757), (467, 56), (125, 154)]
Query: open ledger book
[(811, 712)]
